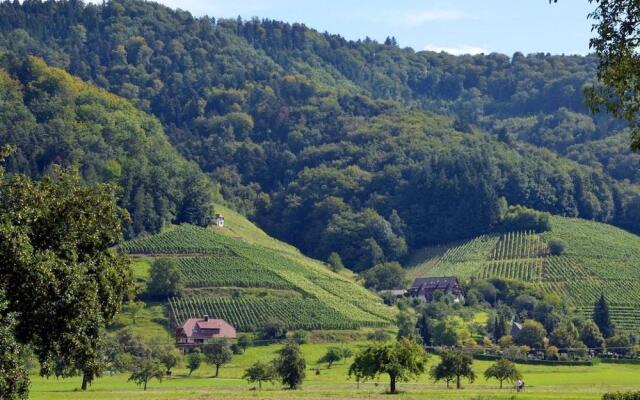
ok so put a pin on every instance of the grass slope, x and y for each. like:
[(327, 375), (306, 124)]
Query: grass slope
[(599, 258), (241, 274)]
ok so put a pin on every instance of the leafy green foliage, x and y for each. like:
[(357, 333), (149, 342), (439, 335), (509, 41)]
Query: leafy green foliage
[(602, 318), (194, 360), (401, 360), (218, 353), (14, 379), (385, 276), (326, 156), (164, 278), (453, 366), (56, 239), (532, 335), (260, 372), (58, 119), (503, 370), (145, 369), (290, 365)]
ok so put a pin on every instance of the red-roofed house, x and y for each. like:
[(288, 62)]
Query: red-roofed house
[(196, 332)]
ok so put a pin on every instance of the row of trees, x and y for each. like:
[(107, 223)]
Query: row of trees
[(405, 359)]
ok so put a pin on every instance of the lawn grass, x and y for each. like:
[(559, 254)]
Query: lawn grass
[(543, 382)]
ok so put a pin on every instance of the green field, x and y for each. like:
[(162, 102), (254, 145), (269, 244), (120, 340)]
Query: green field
[(218, 265), (543, 382), (599, 258)]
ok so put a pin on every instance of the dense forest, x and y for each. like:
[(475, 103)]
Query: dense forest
[(362, 148), (50, 117)]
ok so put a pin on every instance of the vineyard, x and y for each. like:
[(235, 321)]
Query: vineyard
[(249, 313), (598, 259), (227, 271), (207, 259)]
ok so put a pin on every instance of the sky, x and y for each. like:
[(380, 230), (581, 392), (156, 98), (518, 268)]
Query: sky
[(455, 26)]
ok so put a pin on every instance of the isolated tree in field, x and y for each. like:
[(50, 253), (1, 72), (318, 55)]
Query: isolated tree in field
[(14, 378), (453, 365), (166, 353), (218, 353), (503, 370), (260, 372), (335, 354), (532, 335), (134, 308), (290, 365), (164, 278), (145, 369), (62, 279), (194, 360), (335, 262), (602, 317), (403, 360)]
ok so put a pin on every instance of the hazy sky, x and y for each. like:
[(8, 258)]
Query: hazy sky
[(456, 26)]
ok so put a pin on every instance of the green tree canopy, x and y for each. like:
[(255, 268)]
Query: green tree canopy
[(453, 365), (290, 365), (56, 239), (402, 360), (503, 370)]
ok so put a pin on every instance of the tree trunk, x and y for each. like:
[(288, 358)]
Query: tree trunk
[(458, 382), (500, 383), (217, 369), (85, 381), (145, 385), (259, 385), (392, 385), (448, 383)]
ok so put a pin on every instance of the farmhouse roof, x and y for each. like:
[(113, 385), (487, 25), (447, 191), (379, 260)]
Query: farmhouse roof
[(205, 327), (443, 282)]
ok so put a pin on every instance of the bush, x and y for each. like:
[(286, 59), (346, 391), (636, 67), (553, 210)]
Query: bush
[(519, 218), (622, 396), (385, 276), (379, 336), (556, 247)]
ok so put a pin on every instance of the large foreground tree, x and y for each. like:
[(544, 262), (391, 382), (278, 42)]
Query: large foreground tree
[(61, 277)]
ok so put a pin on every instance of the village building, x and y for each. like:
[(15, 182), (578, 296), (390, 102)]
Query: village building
[(197, 332), (220, 220), (426, 287)]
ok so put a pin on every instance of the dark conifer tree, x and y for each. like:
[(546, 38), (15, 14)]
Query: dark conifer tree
[(602, 317)]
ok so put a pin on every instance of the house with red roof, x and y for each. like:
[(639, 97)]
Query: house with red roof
[(197, 332)]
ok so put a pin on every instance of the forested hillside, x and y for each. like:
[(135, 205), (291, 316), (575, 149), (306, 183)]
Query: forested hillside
[(362, 148), (51, 117)]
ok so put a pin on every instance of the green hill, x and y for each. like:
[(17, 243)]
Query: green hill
[(242, 275), (598, 258)]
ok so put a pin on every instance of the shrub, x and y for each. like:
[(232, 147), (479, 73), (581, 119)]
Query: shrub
[(519, 218), (556, 247), (622, 396)]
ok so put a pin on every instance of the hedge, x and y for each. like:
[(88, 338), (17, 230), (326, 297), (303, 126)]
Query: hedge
[(490, 357), (622, 396), (634, 361)]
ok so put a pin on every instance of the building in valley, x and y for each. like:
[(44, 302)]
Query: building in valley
[(197, 332)]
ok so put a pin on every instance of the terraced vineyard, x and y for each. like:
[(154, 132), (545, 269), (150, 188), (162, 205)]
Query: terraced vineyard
[(208, 259), (598, 259)]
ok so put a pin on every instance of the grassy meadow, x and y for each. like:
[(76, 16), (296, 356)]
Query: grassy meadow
[(542, 382)]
